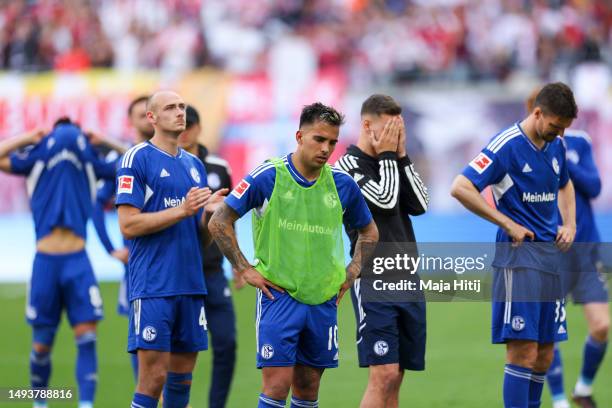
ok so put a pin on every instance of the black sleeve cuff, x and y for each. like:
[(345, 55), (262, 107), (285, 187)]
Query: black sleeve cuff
[(404, 161), (387, 156)]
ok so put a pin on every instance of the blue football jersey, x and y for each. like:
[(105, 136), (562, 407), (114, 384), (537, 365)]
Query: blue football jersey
[(255, 190), (168, 262), (583, 173), (62, 171), (525, 180)]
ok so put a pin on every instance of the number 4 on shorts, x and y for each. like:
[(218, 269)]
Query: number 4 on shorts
[(202, 320)]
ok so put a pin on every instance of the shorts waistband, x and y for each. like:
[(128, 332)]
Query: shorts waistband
[(67, 255)]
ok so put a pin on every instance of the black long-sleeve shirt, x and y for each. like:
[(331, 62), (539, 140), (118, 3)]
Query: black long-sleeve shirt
[(393, 191), (219, 176)]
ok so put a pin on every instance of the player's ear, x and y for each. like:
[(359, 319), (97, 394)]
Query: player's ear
[(299, 137), (366, 124), (150, 116), (537, 112)]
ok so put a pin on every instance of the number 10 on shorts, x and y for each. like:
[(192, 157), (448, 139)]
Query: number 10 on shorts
[(333, 336)]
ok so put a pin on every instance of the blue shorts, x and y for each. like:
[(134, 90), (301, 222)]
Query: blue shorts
[(390, 333), (175, 324), (580, 276), (123, 304), (63, 281), (528, 318), (289, 332)]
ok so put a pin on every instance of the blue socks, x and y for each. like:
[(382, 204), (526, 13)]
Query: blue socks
[(267, 402), (176, 390), (143, 401), (86, 366), (554, 377), (40, 370), (299, 403), (516, 386), (593, 354), (536, 385)]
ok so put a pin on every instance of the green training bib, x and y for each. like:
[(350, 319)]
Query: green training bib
[(298, 237)]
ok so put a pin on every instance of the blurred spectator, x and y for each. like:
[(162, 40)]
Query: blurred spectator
[(373, 40)]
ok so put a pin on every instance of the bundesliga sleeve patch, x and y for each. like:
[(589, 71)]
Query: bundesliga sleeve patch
[(125, 184), (480, 163), (241, 188)]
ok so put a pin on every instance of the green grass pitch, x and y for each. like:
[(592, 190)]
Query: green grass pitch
[(463, 368)]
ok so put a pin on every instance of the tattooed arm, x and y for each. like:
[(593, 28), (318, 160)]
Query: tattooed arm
[(366, 242), (221, 227)]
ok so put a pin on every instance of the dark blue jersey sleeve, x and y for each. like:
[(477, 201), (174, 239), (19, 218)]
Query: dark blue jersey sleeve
[(584, 173), (23, 160), (105, 194)]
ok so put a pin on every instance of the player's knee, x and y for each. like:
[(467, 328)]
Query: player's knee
[(599, 329), (43, 338), (152, 382), (306, 388), (386, 377), (278, 390), (41, 348), (522, 354), (83, 328)]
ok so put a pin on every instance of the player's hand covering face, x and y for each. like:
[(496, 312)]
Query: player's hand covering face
[(317, 142)]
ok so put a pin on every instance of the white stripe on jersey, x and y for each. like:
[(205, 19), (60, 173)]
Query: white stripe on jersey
[(501, 136), (91, 178), (129, 155), (415, 181), (34, 176)]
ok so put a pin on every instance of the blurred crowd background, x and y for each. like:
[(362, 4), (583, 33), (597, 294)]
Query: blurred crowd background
[(372, 40)]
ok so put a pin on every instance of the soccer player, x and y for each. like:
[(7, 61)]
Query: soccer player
[(299, 204), (390, 335), (161, 197), (218, 301), (62, 168), (583, 281), (137, 115), (526, 166)]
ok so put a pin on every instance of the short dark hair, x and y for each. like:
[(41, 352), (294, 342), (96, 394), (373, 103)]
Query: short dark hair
[(317, 112), (64, 120), (192, 117), (379, 104), (142, 98), (557, 99)]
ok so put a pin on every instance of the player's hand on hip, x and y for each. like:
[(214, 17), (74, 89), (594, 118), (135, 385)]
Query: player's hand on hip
[(239, 281), (345, 287), (256, 279), (388, 138), (215, 200), (518, 233), (565, 237), (195, 200), (121, 254)]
